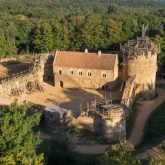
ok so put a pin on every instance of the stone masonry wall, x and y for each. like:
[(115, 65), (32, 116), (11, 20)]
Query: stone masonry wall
[(95, 81), (144, 68), (18, 83), (112, 128)]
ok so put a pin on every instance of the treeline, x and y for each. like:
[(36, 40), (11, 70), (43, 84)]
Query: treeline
[(28, 26)]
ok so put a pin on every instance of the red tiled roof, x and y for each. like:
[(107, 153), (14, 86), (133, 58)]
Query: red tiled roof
[(85, 60)]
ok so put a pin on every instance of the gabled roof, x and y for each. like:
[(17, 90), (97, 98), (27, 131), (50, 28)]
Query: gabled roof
[(85, 60)]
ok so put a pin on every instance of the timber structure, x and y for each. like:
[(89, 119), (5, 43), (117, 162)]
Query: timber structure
[(109, 119), (88, 70), (140, 61)]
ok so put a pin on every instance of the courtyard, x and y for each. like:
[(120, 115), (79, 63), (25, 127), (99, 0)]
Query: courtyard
[(65, 98)]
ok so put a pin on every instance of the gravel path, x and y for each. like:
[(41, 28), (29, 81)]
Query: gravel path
[(144, 112)]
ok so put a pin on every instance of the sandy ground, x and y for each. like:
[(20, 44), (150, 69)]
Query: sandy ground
[(64, 98), (145, 110)]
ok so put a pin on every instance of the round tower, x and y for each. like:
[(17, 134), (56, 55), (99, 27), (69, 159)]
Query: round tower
[(140, 60)]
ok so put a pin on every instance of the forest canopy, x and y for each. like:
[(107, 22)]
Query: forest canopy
[(28, 26)]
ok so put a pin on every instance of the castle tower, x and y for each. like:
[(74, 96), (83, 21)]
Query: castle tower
[(140, 60)]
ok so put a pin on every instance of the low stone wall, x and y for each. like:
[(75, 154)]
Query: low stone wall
[(26, 81), (19, 83)]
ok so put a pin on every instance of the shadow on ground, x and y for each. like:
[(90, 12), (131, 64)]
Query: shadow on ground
[(82, 97)]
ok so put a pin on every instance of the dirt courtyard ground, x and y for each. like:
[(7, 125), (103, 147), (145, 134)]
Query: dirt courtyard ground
[(69, 99), (64, 98)]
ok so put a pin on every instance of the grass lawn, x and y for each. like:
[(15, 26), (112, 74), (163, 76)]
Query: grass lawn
[(86, 159), (154, 130), (131, 118), (86, 135)]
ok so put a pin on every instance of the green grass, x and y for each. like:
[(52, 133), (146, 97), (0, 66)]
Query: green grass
[(154, 131), (86, 159), (86, 135), (161, 85), (58, 151), (131, 118)]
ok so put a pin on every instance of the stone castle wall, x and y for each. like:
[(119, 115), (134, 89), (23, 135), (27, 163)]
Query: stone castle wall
[(128, 96), (110, 123), (112, 129), (144, 68), (25, 81), (19, 83), (95, 81)]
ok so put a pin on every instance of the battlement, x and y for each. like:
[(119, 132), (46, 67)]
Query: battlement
[(103, 108)]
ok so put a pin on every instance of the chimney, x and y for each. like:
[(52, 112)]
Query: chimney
[(86, 50), (99, 53)]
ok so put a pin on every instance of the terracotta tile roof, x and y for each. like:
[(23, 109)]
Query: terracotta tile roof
[(85, 60)]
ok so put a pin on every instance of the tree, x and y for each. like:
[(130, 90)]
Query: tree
[(93, 32), (161, 41), (22, 159), (2, 43), (57, 150), (19, 139), (6, 47), (155, 161), (23, 38), (120, 154), (42, 37)]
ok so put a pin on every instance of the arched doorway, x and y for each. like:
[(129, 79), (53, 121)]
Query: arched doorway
[(61, 84), (103, 87)]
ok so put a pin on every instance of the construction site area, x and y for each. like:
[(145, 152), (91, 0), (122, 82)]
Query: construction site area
[(96, 97)]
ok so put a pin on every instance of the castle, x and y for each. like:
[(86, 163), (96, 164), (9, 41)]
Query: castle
[(98, 71), (101, 71), (140, 60), (88, 70)]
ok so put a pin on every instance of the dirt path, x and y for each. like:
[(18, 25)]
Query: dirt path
[(144, 111)]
